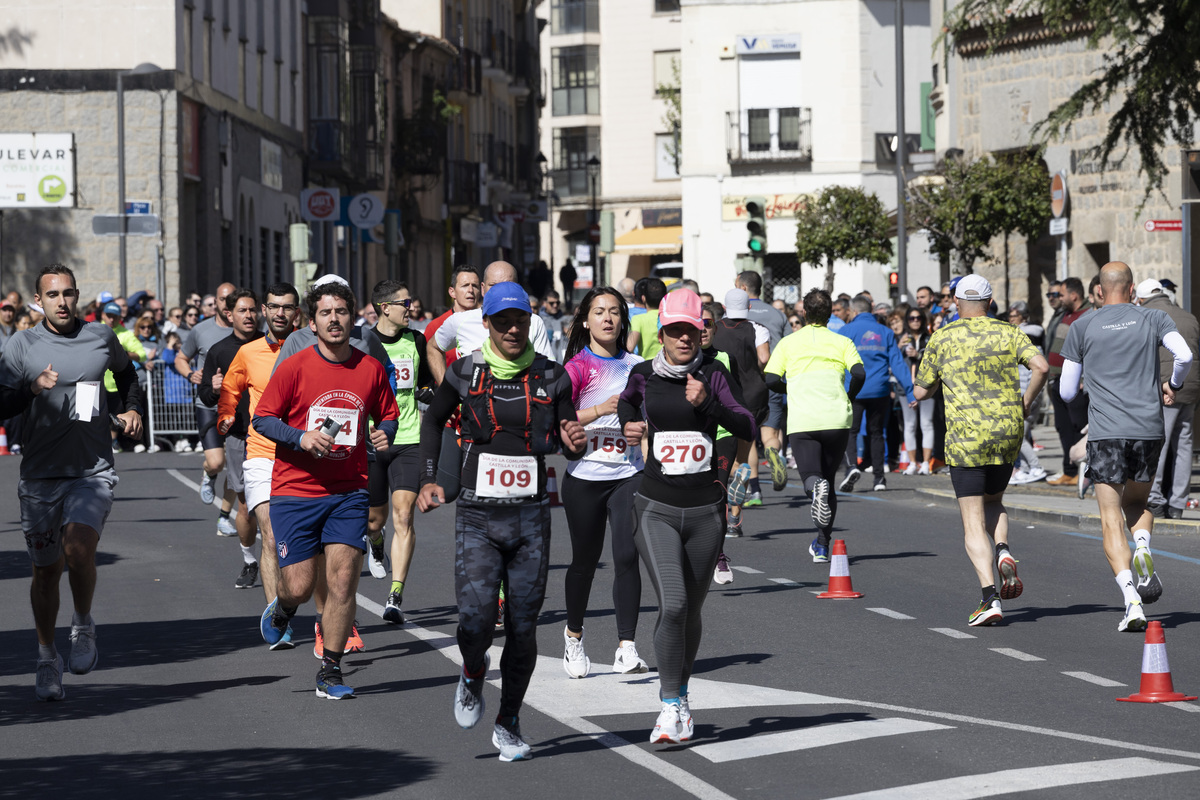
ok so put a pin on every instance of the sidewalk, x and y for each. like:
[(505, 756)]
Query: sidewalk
[(1041, 501)]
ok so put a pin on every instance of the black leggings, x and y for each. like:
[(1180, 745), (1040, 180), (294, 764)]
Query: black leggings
[(818, 455), (450, 464), (588, 505), (726, 455)]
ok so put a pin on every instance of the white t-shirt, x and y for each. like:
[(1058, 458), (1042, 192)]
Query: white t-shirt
[(464, 330)]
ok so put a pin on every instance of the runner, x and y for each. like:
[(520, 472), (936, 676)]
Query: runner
[(196, 344), (319, 482), (643, 335), (677, 401), (250, 372), (516, 410), (975, 359), (1116, 348), (771, 431), (811, 366), (600, 487), (748, 343), (394, 472), (53, 375), (242, 305)]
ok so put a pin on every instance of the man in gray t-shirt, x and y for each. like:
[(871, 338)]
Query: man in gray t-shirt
[(53, 374), (1115, 351)]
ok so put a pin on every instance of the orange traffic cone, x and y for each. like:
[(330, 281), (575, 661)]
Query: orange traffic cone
[(552, 487), (4, 442), (1156, 672), (840, 585)]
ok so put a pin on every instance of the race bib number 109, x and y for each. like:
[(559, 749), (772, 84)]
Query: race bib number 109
[(683, 452), (506, 476)]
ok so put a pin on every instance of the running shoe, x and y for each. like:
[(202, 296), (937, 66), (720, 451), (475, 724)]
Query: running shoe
[(319, 641), (819, 552), (924, 469), (988, 613), (851, 478), (247, 577), (779, 475), (822, 514), (377, 558), (1149, 587), (666, 727), (739, 485), (753, 500), (208, 488), (48, 684), (354, 642), (500, 613), (1010, 585), (733, 526), (1135, 618), (225, 527), (506, 737), (912, 468), (1083, 482), (285, 642), (83, 649), (880, 485), (628, 662), (575, 661), (687, 728), (468, 696), (722, 574), (266, 624), (391, 611), (329, 683)]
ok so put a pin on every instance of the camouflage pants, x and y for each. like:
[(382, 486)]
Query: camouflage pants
[(494, 544)]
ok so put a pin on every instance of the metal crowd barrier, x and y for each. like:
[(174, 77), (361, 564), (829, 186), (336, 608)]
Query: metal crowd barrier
[(171, 402)]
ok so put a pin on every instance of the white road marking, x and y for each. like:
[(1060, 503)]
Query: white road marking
[(887, 612), (953, 633), (188, 482), (1090, 678), (1030, 779), (808, 738), (1182, 706), (784, 581), (747, 570), (1017, 654)]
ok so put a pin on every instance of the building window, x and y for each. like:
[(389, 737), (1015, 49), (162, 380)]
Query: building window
[(759, 129), (666, 70), (572, 149), (576, 16), (789, 129), (666, 162), (666, 6), (575, 80)]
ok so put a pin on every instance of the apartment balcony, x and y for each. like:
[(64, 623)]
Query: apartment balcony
[(462, 183), (465, 74), (761, 135)]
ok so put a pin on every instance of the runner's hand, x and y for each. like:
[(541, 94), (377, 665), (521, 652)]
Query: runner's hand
[(224, 425), (572, 434), (316, 444), (217, 380), (195, 377), (430, 497), (634, 431), (1168, 394), (48, 379), (133, 424), (695, 393), (609, 406), (379, 438)]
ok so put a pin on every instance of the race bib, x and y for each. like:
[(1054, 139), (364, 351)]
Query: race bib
[(347, 435), (405, 379), (607, 446), (506, 476), (87, 400), (683, 452)]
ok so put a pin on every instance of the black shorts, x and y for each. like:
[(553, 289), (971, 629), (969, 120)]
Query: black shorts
[(395, 469), (1119, 460), (206, 424), (978, 481)]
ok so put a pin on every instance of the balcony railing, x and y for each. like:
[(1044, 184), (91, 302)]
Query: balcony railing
[(575, 17), (462, 183), (769, 134), (326, 141), (573, 182)]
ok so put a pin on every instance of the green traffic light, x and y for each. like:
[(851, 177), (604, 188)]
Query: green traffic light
[(756, 245)]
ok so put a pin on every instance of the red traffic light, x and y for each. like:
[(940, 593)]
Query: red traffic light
[(893, 279)]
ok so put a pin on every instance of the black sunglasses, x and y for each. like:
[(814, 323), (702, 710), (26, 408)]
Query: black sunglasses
[(1052, 295), (917, 317)]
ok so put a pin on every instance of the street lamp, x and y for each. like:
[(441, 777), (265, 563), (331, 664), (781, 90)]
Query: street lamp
[(593, 171), (140, 69)]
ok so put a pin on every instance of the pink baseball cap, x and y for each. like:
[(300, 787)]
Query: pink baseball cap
[(681, 305)]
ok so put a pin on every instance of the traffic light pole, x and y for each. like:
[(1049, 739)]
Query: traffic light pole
[(901, 230)]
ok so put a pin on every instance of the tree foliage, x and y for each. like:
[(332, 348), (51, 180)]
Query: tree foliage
[(965, 204), (842, 223), (672, 117), (1151, 67)]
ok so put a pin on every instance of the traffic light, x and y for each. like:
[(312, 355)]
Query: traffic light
[(894, 283), (756, 210)]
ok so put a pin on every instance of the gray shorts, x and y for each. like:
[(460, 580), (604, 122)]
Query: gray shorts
[(49, 505), (235, 460)]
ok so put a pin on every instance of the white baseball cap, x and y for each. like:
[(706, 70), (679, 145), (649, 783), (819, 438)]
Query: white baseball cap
[(1148, 288), (973, 287), (324, 279)]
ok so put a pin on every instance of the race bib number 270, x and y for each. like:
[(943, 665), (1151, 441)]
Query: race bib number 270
[(683, 452)]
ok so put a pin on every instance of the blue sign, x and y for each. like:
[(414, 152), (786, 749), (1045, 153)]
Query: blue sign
[(137, 206)]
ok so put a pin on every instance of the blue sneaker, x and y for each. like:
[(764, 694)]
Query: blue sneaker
[(329, 683), (819, 552), (285, 643), (266, 625), (739, 485)]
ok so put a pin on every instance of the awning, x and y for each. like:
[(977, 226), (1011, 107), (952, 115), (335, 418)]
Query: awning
[(651, 241)]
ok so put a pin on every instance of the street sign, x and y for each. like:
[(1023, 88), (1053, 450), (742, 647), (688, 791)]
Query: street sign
[(1163, 225), (1058, 194), (1058, 227), (365, 211), (487, 234), (535, 211), (594, 233), (320, 205), (39, 170), (137, 225), (133, 207)]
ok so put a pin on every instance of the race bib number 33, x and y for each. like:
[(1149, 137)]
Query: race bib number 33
[(404, 373), (506, 476), (683, 452)]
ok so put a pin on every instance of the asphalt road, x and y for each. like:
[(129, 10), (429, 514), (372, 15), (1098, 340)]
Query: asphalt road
[(891, 695)]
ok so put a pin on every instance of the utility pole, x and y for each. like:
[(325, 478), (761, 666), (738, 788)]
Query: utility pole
[(901, 230)]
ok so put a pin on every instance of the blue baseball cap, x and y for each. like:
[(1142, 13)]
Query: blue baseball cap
[(503, 296)]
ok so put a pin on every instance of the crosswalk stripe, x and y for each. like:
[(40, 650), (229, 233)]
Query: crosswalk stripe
[(1195, 709), (887, 612), (747, 570), (784, 581), (1017, 654), (808, 738), (1030, 779), (953, 633), (1090, 678)]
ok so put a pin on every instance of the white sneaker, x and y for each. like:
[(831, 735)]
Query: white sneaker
[(48, 685), (468, 696), (666, 727), (911, 469), (1135, 618), (722, 574), (686, 727), (575, 660), (84, 655), (376, 559), (139, 448), (208, 492), (225, 527), (181, 446), (628, 662), (509, 741), (1036, 474), (924, 470), (1019, 477)]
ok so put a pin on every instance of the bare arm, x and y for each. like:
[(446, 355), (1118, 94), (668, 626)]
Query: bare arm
[(437, 361), (1039, 369)]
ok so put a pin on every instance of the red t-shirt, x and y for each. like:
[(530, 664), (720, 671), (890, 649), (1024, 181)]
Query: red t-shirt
[(303, 392)]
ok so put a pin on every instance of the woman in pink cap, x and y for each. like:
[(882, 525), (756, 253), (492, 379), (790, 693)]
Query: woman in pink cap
[(676, 402)]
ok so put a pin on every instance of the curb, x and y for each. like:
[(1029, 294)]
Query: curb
[(1082, 522)]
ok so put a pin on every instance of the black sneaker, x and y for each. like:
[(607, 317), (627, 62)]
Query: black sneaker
[(391, 611), (248, 576), (851, 478)]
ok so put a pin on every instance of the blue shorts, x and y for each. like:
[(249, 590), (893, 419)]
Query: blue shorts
[(304, 525), (776, 412)]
